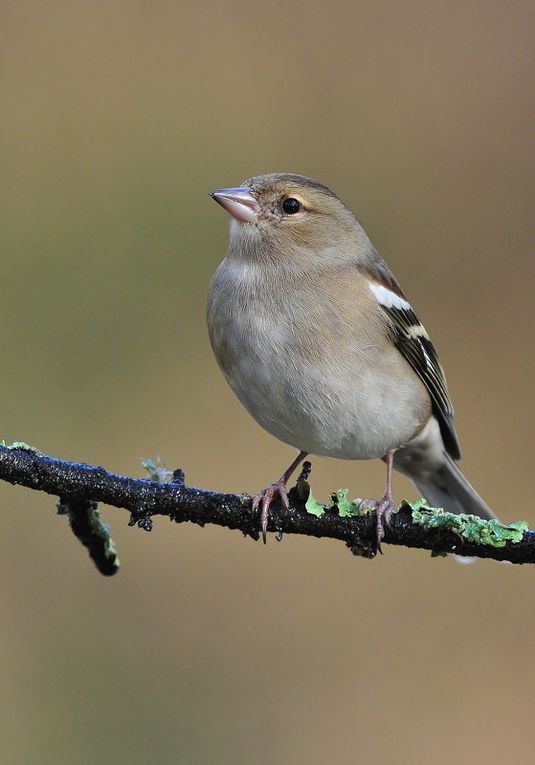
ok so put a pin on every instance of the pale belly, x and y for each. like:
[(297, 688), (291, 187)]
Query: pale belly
[(355, 404), (325, 413)]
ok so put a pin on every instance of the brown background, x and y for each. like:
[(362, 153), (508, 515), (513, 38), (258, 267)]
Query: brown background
[(117, 119)]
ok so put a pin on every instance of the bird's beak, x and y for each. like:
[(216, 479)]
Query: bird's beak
[(240, 203)]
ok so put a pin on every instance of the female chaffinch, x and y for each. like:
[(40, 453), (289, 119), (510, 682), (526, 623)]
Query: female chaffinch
[(316, 338)]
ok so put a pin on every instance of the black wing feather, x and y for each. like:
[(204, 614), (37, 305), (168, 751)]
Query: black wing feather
[(412, 341)]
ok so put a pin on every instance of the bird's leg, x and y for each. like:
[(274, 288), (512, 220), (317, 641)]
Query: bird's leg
[(386, 505), (265, 497)]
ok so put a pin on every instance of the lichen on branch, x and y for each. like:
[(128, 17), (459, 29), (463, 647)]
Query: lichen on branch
[(415, 526)]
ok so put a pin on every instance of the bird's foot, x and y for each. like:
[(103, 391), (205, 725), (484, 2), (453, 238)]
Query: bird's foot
[(263, 500), (383, 509), (383, 513)]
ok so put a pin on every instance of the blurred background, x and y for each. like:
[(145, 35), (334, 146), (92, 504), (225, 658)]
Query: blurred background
[(117, 120)]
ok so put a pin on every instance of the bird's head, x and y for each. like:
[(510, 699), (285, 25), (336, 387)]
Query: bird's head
[(289, 217)]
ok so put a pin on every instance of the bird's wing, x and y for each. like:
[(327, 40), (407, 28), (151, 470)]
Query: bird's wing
[(414, 344)]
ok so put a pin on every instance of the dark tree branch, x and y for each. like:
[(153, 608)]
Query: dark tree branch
[(79, 486)]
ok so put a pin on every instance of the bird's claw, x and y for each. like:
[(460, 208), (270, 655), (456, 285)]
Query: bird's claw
[(263, 501), (383, 509), (383, 513)]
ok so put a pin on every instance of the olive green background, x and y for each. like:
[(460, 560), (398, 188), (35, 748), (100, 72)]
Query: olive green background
[(117, 119)]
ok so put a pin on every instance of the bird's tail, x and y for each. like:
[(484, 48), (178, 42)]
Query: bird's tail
[(451, 491)]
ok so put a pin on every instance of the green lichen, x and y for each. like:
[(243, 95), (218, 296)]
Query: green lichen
[(314, 507), (346, 508), (94, 535), (102, 531), (469, 527)]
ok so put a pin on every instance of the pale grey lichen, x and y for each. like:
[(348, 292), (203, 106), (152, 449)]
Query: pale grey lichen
[(20, 445), (157, 470)]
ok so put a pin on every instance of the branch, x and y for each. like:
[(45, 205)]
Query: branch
[(80, 486)]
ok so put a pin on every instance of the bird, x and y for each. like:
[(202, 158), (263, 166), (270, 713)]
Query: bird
[(316, 338)]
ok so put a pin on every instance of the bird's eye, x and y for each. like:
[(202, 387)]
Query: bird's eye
[(291, 206)]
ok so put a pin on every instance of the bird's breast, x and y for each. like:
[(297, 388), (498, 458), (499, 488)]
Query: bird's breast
[(305, 370)]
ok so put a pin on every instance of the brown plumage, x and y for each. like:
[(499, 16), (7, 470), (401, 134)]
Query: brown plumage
[(316, 338)]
